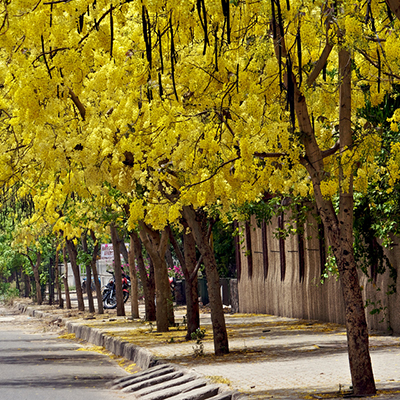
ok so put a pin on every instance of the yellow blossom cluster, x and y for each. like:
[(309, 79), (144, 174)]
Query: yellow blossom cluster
[(184, 102)]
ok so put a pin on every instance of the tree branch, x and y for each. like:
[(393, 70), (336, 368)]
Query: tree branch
[(369, 59), (196, 268), (332, 150), (213, 174), (56, 2), (30, 260), (268, 155), (98, 22), (320, 64), (44, 57), (176, 247), (377, 40), (50, 53), (143, 227), (77, 102)]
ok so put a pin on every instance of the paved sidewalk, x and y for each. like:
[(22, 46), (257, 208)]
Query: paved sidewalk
[(270, 357)]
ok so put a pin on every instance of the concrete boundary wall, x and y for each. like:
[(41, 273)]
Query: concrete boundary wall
[(280, 278)]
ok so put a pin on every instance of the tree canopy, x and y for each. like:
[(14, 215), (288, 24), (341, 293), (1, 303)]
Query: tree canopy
[(199, 103), (159, 98)]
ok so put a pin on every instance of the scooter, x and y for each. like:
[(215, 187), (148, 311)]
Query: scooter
[(109, 292), (92, 286)]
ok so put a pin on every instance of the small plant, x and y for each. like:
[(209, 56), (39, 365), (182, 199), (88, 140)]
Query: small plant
[(198, 335), (330, 269), (8, 294), (378, 308)]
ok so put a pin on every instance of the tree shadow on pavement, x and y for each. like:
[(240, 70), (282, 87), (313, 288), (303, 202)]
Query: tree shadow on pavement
[(302, 394), (60, 382), (51, 358)]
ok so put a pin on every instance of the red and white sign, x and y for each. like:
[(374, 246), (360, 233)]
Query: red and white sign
[(107, 251)]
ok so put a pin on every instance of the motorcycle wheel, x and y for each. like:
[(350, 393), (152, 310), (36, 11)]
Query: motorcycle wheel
[(109, 302)]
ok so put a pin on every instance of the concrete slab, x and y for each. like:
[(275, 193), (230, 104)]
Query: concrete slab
[(174, 390), (153, 381)]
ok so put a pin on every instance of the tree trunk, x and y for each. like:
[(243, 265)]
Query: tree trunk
[(57, 279), (17, 285), (339, 234), (156, 246), (117, 271), (394, 6), (71, 248), (356, 324), (340, 228), (147, 281), (65, 280), (51, 281), (134, 282), (96, 275), (27, 285), (189, 266), (89, 292), (35, 268), (123, 250), (197, 223), (169, 259), (191, 290)]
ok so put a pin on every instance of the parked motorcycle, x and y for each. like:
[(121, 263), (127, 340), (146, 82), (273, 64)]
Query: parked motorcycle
[(172, 284), (109, 292), (92, 286)]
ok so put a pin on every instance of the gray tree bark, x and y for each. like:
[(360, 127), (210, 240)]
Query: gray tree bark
[(96, 275), (340, 227), (88, 274), (197, 223), (75, 269), (35, 267), (147, 281), (189, 264), (57, 279), (394, 6), (65, 280), (156, 245), (134, 282), (117, 271)]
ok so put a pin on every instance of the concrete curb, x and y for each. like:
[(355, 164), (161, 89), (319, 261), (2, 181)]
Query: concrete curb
[(139, 355), (144, 360), (31, 311)]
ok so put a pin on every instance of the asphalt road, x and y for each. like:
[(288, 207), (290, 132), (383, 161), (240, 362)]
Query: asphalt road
[(36, 364)]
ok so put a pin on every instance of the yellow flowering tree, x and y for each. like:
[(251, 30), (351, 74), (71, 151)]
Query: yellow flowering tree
[(183, 105)]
